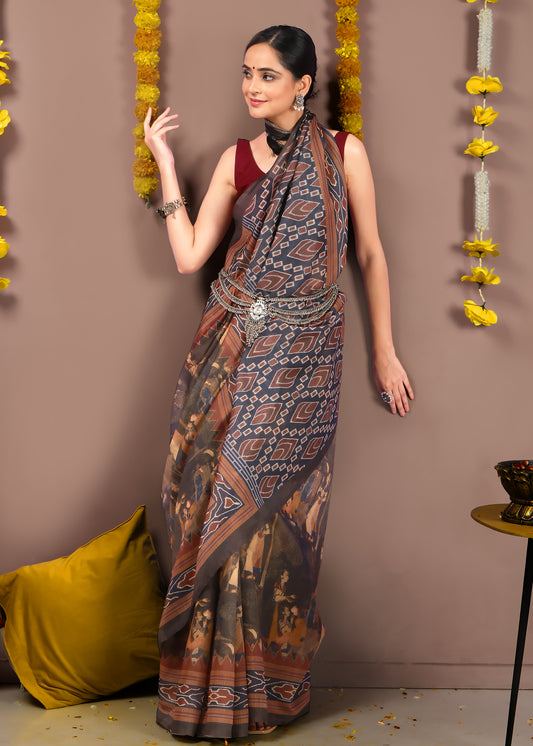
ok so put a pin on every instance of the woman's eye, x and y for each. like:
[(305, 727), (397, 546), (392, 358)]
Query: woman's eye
[(267, 76)]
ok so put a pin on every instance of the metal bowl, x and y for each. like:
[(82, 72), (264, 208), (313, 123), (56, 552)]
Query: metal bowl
[(517, 480)]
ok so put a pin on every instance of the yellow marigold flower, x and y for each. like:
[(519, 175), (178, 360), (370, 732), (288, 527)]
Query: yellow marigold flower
[(348, 49), (473, 1), (144, 167), (4, 247), (347, 14), (348, 68), (145, 185), (477, 84), (351, 123), (347, 33), (478, 315), (148, 5), (147, 40), (141, 110), (145, 92), (147, 20), (4, 120), (345, 3), (138, 130), (142, 150), (146, 59), (484, 115), (4, 282), (481, 249), (349, 85), (480, 148), (3, 210), (3, 78), (147, 75), (350, 102), (482, 276)]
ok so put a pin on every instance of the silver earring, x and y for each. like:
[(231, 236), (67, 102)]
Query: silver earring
[(299, 102)]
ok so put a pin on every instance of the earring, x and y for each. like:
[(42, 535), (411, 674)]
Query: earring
[(299, 103)]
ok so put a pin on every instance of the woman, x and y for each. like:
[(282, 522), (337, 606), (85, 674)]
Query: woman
[(247, 480)]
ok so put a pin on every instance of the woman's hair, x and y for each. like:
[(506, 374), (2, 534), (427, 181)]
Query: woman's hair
[(295, 49)]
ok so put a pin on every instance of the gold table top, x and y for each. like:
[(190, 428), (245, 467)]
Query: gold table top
[(490, 516)]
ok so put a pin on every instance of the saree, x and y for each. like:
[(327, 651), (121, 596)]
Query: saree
[(247, 481)]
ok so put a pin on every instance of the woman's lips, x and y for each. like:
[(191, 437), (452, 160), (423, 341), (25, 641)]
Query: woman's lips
[(255, 102)]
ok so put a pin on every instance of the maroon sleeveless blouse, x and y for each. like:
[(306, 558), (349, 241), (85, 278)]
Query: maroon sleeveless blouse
[(246, 169)]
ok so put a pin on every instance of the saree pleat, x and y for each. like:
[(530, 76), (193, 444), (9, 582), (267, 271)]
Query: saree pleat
[(247, 480)]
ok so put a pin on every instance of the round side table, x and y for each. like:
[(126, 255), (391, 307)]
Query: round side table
[(490, 516)]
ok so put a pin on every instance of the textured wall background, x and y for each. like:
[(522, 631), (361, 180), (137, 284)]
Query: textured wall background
[(97, 322)]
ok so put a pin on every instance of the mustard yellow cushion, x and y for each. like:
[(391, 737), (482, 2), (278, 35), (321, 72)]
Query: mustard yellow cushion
[(81, 627)]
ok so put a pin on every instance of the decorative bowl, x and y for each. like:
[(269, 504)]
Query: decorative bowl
[(517, 480)]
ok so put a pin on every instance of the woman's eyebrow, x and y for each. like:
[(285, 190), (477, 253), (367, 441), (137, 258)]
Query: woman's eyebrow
[(261, 69)]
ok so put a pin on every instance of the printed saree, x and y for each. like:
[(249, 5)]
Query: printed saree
[(247, 481)]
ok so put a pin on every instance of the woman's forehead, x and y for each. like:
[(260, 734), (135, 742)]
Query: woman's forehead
[(262, 55)]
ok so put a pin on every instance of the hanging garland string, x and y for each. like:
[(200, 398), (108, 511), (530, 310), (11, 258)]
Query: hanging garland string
[(4, 121), (349, 68), (480, 147), (147, 40)]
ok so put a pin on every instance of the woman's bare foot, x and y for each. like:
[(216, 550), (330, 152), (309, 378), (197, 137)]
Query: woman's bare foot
[(261, 728)]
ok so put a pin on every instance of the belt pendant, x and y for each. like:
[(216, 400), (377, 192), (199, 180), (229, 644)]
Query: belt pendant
[(255, 320)]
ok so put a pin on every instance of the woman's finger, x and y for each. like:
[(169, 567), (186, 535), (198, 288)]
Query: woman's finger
[(161, 126), (147, 118), (404, 400), (409, 389)]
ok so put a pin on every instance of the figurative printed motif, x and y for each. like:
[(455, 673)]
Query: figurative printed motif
[(248, 476)]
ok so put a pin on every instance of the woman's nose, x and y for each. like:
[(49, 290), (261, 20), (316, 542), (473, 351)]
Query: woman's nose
[(254, 86)]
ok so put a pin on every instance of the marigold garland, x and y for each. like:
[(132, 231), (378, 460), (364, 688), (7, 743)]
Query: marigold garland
[(147, 40), (349, 67), (483, 116), (4, 121)]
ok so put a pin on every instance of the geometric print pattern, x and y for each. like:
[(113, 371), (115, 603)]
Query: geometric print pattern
[(247, 480)]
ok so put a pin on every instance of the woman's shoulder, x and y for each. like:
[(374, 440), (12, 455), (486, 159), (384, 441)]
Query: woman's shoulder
[(340, 138), (347, 137), (225, 168)]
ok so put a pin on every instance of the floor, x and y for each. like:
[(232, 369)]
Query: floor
[(367, 717)]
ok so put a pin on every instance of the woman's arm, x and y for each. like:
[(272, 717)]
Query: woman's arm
[(389, 374), (192, 244)]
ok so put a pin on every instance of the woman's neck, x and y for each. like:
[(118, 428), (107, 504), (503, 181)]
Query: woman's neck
[(286, 121)]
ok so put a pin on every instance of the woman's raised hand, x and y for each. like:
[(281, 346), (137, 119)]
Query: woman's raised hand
[(155, 135)]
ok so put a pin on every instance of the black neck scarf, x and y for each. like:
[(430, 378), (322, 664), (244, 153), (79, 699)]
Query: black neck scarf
[(276, 137)]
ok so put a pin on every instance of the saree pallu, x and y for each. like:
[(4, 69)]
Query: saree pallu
[(247, 480)]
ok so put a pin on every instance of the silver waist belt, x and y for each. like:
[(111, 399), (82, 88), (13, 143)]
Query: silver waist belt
[(257, 309)]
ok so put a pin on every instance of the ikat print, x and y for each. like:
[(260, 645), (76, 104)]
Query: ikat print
[(247, 480)]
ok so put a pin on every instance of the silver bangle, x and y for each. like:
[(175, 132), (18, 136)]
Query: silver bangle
[(170, 207)]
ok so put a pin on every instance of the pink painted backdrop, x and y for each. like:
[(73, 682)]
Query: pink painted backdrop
[(96, 323)]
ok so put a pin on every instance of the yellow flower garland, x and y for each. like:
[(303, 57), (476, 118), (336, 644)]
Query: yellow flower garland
[(4, 121), (349, 67), (483, 116), (147, 41)]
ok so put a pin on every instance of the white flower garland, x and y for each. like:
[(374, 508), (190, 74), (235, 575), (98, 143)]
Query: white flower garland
[(484, 43), (484, 116), (482, 201)]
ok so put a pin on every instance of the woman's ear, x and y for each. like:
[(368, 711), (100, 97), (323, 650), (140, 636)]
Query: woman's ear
[(304, 84)]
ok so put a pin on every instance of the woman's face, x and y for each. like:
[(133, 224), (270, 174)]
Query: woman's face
[(269, 89)]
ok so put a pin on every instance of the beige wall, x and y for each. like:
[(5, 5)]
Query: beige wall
[(97, 321)]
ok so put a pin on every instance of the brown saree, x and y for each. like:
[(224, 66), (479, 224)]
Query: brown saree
[(247, 480)]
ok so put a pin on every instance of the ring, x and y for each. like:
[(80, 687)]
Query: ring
[(387, 398)]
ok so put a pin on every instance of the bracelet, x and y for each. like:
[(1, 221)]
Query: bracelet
[(170, 207)]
